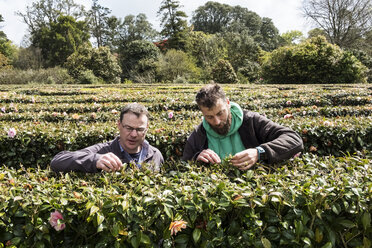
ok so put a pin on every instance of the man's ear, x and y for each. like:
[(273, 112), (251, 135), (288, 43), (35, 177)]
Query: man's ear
[(228, 101)]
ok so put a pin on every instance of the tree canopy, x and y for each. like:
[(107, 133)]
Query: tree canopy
[(344, 21)]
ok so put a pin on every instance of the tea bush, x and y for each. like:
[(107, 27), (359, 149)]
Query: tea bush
[(320, 199), (308, 202)]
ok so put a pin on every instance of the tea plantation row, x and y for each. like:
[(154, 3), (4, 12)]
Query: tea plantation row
[(321, 199)]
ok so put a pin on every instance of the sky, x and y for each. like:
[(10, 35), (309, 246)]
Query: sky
[(285, 14)]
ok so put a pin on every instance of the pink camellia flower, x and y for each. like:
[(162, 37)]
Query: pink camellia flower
[(170, 115), (176, 226), (288, 116), (55, 221), (288, 102), (3, 109), (54, 114), (33, 99), (12, 133)]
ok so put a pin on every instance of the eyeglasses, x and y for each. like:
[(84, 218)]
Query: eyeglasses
[(139, 130)]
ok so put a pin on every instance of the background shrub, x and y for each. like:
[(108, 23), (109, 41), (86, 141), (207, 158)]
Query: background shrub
[(51, 75), (313, 61), (99, 61), (137, 57), (175, 64), (223, 73)]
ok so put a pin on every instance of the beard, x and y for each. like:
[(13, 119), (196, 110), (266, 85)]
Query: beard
[(224, 127)]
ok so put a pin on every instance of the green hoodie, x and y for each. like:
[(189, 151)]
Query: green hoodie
[(231, 143)]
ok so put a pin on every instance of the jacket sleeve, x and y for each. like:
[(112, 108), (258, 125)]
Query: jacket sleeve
[(280, 143), (195, 144), (83, 160)]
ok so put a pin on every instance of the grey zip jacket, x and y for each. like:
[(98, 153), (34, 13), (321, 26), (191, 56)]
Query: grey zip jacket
[(85, 160)]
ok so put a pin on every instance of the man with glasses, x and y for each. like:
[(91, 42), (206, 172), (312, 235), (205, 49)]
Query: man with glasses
[(129, 146)]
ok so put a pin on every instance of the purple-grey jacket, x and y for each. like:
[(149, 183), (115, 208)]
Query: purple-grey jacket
[(279, 142), (85, 160)]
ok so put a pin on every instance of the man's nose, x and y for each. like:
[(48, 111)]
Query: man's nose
[(216, 121), (133, 133)]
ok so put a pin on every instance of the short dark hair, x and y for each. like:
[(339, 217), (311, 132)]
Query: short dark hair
[(209, 94), (135, 108)]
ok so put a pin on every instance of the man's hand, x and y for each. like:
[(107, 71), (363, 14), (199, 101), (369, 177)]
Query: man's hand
[(244, 160), (209, 156), (109, 162)]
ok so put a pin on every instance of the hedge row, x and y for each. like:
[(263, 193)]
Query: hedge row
[(309, 202), (78, 113), (36, 143)]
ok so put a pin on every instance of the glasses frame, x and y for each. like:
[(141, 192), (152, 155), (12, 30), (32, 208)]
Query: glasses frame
[(139, 130)]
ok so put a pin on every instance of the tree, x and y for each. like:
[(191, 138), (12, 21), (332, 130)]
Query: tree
[(344, 21), (98, 22), (121, 33), (176, 64), (215, 18), (7, 49), (138, 56), (136, 28), (61, 39), (292, 37), (44, 12), (28, 58), (316, 32), (174, 23), (206, 49), (212, 17), (99, 61), (241, 48)]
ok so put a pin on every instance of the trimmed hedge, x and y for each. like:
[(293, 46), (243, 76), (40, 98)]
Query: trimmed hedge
[(308, 202), (36, 143)]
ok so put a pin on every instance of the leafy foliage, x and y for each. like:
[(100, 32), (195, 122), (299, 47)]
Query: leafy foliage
[(320, 199), (313, 61), (61, 39), (308, 201), (99, 61), (174, 24), (138, 56), (176, 64), (223, 73)]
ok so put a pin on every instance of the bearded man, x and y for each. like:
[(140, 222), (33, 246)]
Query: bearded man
[(227, 130)]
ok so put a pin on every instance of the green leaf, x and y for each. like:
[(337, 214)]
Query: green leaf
[(328, 245), (366, 220), (336, 208), (145, 239), (93, 210), (182, 239), (196, 235), (347, 223), (306, 241), (100, 219), (135, 241), (318, 235), (367, 242), (168, 211), (265, 242)]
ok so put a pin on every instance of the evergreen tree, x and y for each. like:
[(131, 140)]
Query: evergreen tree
[(174, 24)]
